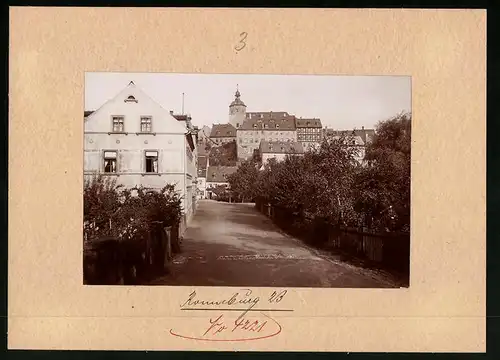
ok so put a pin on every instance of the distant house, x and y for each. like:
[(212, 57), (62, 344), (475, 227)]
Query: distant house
[(354, 138), (268, 128), (218, 176), (223, 133), (202, 176), (279, 150), (309, 132)]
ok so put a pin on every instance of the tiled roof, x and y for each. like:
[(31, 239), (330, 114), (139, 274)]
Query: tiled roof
[(219, 173), (308, 123), (282, 123), (365, 134), (355, 138), (266, 114), (181, 117), (223, 130), (281, 147)]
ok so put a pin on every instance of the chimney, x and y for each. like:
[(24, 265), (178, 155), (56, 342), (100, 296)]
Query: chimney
[(362, 127), (171, 112)]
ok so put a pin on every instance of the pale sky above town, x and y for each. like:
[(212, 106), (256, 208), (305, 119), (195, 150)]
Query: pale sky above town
[(341, 102)]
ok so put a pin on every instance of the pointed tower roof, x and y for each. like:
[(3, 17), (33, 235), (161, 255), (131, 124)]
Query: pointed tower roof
[(237, 101)]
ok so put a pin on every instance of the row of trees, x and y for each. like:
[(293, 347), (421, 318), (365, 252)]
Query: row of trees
[(112, 211), (328, 183)]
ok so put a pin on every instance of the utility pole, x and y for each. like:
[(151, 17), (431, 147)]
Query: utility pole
[(182, 103)]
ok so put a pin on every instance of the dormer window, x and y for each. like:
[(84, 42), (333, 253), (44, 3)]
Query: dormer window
[(265, 126), (277, 126), (255, 126), (130, 98)]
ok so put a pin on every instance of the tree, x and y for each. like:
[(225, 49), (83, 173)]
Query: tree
[(383, 187), (101, 201), (224, 155), (243, 181)]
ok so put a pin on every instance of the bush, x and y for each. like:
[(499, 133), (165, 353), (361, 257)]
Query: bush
[(110, 210)]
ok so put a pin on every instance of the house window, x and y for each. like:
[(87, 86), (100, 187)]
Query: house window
[(151, 161), (118, 123), (110, 161), (145, 123), (237, 125)]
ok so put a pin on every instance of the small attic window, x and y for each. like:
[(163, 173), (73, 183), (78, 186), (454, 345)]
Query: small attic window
[(277, 126), (130, 98)]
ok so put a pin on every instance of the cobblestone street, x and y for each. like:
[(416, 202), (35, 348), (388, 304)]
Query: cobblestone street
[(234, 245)]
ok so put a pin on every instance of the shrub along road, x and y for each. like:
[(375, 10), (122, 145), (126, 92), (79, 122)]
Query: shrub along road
[(234, 245)]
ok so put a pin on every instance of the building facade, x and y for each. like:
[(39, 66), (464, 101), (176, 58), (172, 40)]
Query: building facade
[(354, 139), (136, 141), (279, 150), (222, 134), (309, 132), (218, 176), (256, 129), (202, 176)]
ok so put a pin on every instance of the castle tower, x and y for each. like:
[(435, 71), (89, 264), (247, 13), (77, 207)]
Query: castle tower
[(237, 110)]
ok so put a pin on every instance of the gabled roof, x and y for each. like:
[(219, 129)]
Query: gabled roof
[(281, 147), (223, 130), (220, 173), (308, 123), (274, 123), (129, 94)]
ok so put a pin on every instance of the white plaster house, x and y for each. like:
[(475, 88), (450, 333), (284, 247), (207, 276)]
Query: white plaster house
[(279, 150), (218, 176), (133, 138)]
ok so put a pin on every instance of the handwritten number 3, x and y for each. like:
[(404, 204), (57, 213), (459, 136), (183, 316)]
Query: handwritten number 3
[(242, 42)]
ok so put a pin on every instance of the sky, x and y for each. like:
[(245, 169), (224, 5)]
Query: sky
[(341, 102)]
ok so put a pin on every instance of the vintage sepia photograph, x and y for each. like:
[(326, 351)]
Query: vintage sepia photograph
[(247, 180)]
